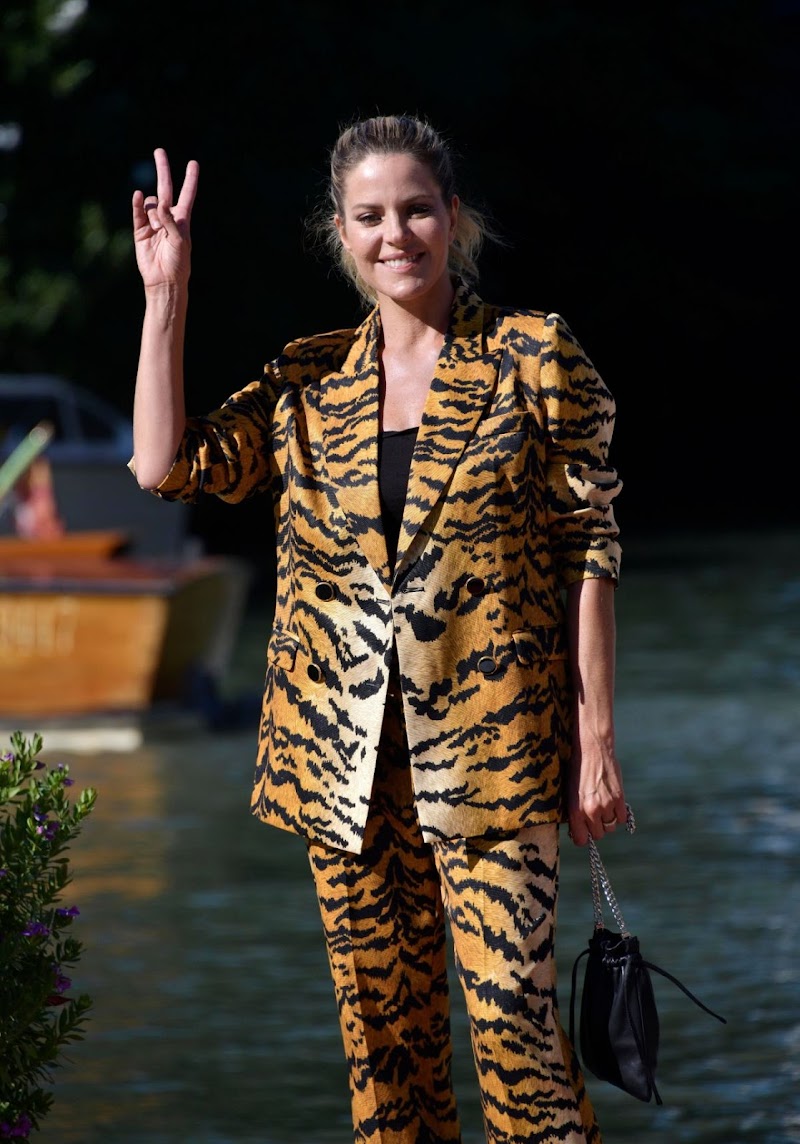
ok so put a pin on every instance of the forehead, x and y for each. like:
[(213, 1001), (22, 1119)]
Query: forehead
[(378, 177)]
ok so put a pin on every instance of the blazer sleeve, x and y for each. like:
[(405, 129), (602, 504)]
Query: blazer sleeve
[(228, 453), (581, 483)]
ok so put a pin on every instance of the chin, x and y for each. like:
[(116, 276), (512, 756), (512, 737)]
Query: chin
[(408, 287)]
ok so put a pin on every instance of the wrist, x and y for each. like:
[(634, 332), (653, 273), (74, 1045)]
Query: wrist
[(167, 301), (158, 291)]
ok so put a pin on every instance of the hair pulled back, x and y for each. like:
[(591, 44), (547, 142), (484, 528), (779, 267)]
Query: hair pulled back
[(400, 135)]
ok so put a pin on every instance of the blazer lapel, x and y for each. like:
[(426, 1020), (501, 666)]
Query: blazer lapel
[(462, 384), (350, 416)]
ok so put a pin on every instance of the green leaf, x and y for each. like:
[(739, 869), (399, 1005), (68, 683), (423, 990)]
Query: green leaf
[(33, 1033)]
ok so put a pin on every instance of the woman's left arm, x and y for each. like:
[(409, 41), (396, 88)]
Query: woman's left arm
[(595, 792)]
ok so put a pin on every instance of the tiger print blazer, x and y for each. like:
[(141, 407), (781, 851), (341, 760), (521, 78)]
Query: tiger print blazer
[(509, 501)]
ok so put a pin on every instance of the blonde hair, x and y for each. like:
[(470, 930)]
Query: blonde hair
[(404, 135)]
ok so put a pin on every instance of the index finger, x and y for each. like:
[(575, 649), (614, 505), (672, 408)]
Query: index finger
[(164, 177)]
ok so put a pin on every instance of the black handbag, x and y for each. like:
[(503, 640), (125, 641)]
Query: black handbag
[(619, 1027)]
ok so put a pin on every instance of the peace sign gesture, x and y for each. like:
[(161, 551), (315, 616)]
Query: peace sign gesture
[(161, 229)]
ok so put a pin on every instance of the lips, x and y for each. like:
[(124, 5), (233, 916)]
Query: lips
[(402, 263)]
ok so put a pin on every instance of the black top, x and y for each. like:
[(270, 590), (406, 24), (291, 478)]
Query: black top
[(395, 447)]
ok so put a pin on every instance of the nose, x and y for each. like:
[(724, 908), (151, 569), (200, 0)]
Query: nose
[(397, 230)]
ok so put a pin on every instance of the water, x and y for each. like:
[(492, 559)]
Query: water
[(214, 1020)]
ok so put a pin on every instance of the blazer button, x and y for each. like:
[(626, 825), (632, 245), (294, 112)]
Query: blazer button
[(487, 664), (314, 672), (325, 591), (476, 585)]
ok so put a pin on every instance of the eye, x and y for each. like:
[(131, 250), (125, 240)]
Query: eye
[(420, 209), (369, 218)]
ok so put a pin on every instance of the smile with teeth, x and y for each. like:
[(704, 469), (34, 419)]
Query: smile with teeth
[(406, 260)]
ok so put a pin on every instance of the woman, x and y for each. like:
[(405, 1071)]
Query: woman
[(440, 676)]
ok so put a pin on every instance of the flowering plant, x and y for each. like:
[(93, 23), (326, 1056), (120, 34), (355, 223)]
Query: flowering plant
[(37, 1017)]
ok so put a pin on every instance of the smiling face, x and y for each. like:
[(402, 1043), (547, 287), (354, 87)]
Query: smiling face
[(398, 229)]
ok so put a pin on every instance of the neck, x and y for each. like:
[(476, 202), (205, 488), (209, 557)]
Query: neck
[(404, 325)]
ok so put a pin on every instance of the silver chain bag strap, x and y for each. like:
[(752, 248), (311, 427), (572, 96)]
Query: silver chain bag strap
[(619, 1028)]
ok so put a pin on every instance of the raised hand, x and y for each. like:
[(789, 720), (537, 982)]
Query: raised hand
[(161, 228)]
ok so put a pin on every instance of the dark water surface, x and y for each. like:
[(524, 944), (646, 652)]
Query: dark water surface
[(214, 1019)]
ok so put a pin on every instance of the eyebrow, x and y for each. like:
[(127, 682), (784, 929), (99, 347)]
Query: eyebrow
[(410, 199)]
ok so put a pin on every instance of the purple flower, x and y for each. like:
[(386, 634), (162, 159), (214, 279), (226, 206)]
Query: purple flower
[(39, 766), (69, 782), (39, 814), (21, 1129), (6, 757), (72, 912), (48, 829), (61, 982), (3, 873), (35, 929)]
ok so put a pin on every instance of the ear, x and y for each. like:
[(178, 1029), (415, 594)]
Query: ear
[(455, 202), (342, 231)]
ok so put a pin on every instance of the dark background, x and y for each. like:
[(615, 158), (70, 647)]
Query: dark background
[(640, 162)]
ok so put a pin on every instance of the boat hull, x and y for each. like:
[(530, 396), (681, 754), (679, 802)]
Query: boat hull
[(93, 636)]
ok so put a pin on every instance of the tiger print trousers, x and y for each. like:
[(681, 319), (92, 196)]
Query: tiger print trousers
[(383, 914)]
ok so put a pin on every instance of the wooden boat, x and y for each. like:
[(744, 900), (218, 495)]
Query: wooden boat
[(84, 631), (89, 544)]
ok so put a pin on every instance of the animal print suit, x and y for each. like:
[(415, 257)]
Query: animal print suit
[(509, 501)]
